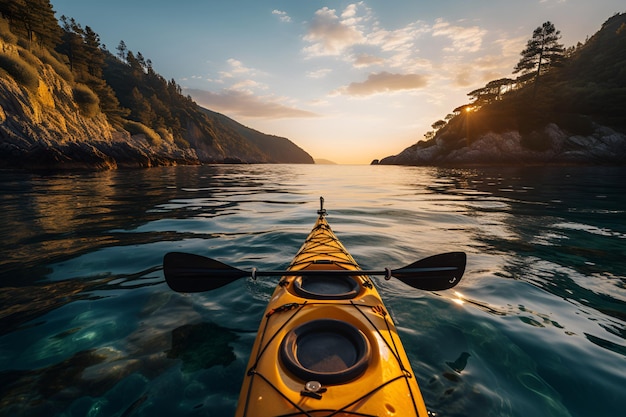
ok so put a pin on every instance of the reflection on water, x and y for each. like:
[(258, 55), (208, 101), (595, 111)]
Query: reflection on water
[(88, 327)]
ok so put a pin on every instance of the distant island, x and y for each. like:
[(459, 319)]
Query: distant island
[(66, 102), (567, 106), (324, 162)]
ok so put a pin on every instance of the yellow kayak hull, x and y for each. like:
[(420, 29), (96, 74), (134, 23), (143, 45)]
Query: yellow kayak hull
[(328, 355)]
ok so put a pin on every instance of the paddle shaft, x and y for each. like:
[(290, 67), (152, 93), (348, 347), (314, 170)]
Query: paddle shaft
[(195, 272), (185, 272)]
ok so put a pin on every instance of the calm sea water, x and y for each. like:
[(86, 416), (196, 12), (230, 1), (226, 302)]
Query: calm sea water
[(88, 327)]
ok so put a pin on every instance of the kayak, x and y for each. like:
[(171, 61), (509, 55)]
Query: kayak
[(326, 345)]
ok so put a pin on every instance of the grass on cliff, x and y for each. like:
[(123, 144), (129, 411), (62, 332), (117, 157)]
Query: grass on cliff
[(87, 100), (136, 128), (20, 71), (53, 59)]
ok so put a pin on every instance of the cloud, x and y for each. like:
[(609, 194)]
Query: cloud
[(330, 35), (283, 16), (246, 104), (398, 39), (385, 82), (320, 73), (356, 36), (236, 68), (464, 78), (249, 84), (366, 60), (464, 39), (511, 47)]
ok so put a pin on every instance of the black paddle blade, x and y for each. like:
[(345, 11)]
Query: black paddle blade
[(185, 272), (447, 270)]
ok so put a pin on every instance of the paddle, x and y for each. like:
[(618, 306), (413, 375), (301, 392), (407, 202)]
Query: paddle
[(185, 272)]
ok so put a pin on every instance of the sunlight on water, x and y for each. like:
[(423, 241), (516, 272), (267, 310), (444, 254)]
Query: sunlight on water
[(88, 327)]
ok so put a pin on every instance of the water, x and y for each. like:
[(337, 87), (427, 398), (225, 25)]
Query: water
[(537, 327)]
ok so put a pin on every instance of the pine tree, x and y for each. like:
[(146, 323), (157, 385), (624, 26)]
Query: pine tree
[(73, 46), (44, 25), (121, 50), (543, 51), (33, 20), (94, 54)]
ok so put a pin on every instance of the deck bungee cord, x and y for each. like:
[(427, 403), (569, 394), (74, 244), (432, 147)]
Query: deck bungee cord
[(377, 309)]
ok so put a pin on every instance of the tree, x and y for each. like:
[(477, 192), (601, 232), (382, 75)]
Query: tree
[(73, 46), (94, 54), (493, 91), (33, 20), (44, 25), (121, 50), (438, 124), (543, 51)]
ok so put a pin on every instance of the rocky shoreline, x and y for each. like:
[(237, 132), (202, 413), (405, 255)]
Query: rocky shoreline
[(604, 146), (43, 127)]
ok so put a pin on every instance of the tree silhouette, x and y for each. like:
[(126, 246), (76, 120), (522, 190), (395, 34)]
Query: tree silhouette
[(121, 50), (542, 52), (493, 91)]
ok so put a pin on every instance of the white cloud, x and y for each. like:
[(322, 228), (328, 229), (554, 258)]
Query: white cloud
[(385, 82), (330, 35), (398, 39), (355, 36), (237, 67), (239, 76), (246, 104), (320, 73), (249, 84), (464, 39), (283, 16), (350, 11)]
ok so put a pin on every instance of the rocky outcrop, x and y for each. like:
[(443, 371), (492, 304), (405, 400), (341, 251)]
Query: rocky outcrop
[(42, 126), (45, 129), (552, 145)]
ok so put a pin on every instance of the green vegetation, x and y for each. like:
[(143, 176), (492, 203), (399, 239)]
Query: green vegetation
[(32, 21), (136, 128), (86, 99), (573, 87), (55, 60), (124, 87)]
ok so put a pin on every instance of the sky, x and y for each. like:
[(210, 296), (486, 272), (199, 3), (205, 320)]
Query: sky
[(347, 81)]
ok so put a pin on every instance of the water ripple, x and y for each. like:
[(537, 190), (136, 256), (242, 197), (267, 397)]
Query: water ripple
[(88, 325)]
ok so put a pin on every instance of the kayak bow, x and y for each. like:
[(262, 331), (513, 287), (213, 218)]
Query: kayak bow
[(326, 345)]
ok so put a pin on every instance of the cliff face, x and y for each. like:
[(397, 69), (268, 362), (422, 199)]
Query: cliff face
[(43, 127)]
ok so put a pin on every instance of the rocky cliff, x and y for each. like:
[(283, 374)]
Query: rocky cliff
[(603, 146), (42, 126), (45, 129)]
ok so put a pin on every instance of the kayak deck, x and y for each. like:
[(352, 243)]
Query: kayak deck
[(326, 345)]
